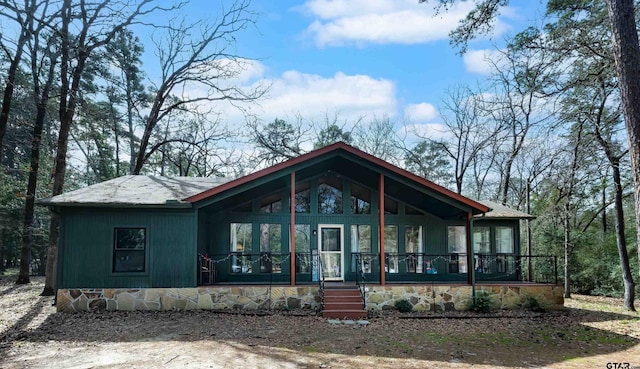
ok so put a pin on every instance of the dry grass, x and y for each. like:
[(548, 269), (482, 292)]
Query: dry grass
[(590, 332)]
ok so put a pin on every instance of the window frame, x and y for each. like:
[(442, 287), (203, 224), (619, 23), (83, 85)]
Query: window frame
[(241, 258), (145, 251)]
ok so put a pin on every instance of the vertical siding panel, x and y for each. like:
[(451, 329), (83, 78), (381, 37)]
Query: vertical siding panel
[(88, 236)]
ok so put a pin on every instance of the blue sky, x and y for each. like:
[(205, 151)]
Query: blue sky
[(360, 58)]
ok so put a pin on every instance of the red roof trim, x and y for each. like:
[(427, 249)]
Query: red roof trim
[(352, 150)]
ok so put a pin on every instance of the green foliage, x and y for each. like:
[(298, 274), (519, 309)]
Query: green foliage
[(533, 304), (330, 135), (426, 160), (403, 306), (482, 303)]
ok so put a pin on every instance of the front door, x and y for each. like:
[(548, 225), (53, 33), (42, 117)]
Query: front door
[(331, 241)]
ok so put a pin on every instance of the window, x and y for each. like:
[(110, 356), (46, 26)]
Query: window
[(303, 248), (391, 248), (361, 243), (330, 195), (303, 238), (457, 239), (482, 240), (412, 239), (241, 245), (413, 247), (361, 238), (504, 240), (360, 200), (457, 244), (303, 198), (271, 204), (129, 249), (390, 206), (482, 245), (270, 248)]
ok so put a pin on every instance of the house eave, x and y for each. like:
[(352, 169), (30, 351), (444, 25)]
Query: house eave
[(169, 205)]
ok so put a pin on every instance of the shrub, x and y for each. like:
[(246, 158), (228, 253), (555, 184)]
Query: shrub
[(533, 304), (403, 306), (481, 303)]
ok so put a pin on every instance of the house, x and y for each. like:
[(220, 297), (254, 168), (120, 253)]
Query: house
[(289, 236)]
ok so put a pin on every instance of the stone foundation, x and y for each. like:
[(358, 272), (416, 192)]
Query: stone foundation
[(205, 298), (421, 297), (453, 298)]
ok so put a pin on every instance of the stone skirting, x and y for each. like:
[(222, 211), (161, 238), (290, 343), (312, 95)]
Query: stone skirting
[(205, 298), (421, 297), (450, 298)]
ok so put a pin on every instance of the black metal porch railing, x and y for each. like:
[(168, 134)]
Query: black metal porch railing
[(268, 267), (488, 267), (361, 278), (320, 279)]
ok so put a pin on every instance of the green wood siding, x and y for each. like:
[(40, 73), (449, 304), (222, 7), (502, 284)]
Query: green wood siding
[(87, 248)]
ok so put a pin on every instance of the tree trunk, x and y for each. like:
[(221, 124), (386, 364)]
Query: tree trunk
[(627, 57), (8, 89), (621, 242), (27, 230), (42, 99), (567, 254), (66, 109)]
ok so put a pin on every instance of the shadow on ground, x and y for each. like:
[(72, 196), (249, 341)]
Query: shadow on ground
[(525, 339)]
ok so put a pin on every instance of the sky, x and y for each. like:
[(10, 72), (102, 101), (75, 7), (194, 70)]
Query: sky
[(361, 58)]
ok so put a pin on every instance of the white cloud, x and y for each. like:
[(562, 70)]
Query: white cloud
[(480, 61), (422, 112), (311, 95), (340, 22)]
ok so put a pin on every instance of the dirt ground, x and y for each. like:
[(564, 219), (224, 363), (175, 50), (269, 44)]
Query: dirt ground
[(589, 333)]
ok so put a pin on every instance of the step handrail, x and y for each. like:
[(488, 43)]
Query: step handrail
[(320, 280), (361, 279)]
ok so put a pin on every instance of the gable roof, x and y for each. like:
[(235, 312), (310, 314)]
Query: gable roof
[(499, 211), (149, 191), (340, 147), (136, 190)]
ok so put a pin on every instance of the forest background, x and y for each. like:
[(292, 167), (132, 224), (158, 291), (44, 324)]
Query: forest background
[(544, 133)]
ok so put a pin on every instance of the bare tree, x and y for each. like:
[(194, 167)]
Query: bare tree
[(626, 52), (519, 75), (204, 62), (96, 24), (378, 137), (43, 67), (470, 133), (194, 146), (22, 15), (32, 17), (279, 140)]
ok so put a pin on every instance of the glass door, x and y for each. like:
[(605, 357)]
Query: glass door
[(331, 241)]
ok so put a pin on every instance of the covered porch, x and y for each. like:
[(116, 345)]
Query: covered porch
[(339, 214)]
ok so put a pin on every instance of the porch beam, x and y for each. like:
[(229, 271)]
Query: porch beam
[(292, 229), (470, 267), (381, 226)]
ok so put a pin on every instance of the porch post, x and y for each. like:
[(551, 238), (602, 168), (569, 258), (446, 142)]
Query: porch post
[(470, 267), (381, 227), (292, 229)]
